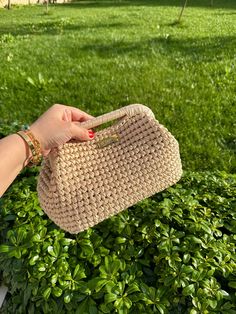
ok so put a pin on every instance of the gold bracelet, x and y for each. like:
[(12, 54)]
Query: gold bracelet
[(34, 146)]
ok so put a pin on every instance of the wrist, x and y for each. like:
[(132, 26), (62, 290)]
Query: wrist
[(33, 129), (38, 135), (34, 156), (24, 152)]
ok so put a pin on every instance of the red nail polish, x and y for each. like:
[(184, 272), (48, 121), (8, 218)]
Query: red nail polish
[(91, 134)]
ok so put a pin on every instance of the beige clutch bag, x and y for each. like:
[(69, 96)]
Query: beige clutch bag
[(82, 183)]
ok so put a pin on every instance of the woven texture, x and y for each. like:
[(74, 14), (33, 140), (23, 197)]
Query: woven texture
[(82, 183)]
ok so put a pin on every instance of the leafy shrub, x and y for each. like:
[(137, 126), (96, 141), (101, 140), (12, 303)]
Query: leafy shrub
[(171, 253), (7, 127)]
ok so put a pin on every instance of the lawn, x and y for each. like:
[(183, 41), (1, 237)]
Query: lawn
[(100, 56), (173, 252)]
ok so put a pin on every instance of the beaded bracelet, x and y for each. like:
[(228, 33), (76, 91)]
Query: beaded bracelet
[(34, 146)]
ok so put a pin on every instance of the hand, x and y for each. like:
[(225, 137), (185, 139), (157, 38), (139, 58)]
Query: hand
[(58, 125)]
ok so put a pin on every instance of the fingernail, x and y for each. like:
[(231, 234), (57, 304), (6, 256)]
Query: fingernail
[(91, 134)]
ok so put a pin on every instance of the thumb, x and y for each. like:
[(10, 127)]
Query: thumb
[(80, 133)]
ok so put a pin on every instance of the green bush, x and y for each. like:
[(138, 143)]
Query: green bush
[(171, 253)]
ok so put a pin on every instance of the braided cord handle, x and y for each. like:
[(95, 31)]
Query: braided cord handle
[(116, 114), (110, 116)]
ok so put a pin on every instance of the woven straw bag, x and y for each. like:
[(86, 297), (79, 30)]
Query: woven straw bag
[(82, 183)]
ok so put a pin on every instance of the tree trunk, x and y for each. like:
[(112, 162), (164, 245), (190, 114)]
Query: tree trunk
[(212, 3), (9, 4), (47, 6), (182, 10)]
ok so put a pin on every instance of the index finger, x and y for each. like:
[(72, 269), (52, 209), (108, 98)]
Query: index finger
[(79, 115)]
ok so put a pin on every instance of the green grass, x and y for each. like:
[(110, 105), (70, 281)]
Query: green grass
[(100, 56)]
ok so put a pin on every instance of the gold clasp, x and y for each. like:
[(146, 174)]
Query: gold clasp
[(108, 140)]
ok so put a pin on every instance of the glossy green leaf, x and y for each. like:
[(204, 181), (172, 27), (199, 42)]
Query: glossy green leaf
[(5, 248), (161, 308), (57, 292), (189, 290), (67, 297), (134, 287), (51, 251), (212, 303), (232, 284), (47, 293), (111, 297), (33, 260), (54, 278)]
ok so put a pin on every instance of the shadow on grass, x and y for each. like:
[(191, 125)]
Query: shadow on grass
[(65, 24), (225, 13), (205, 48), (227, 4), (53, 28)]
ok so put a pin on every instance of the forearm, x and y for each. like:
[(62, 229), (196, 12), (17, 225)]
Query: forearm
[(55, 127), (14, 155)]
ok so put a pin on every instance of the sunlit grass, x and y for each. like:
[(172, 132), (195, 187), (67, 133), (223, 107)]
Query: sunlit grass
[(104, 55)]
